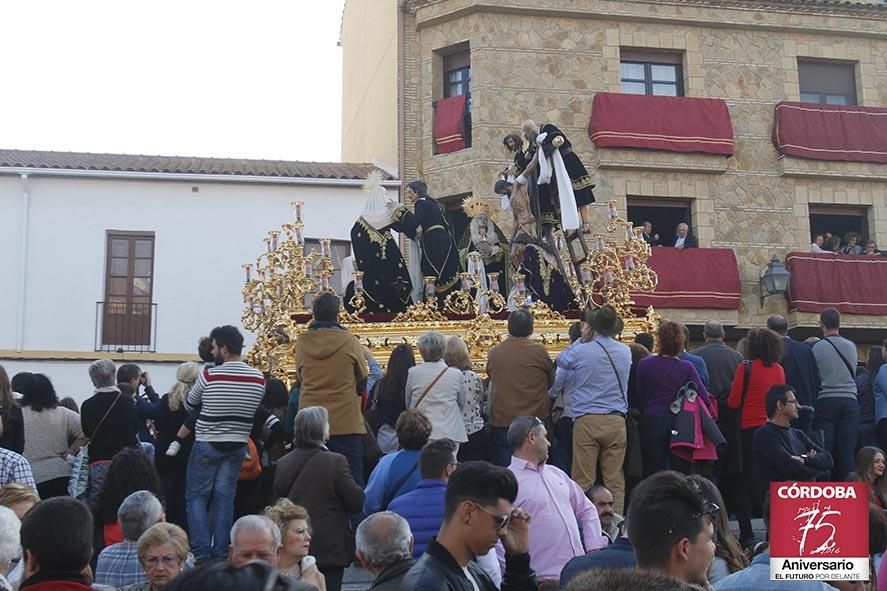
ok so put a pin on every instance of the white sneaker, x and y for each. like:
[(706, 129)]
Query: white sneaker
[(174, 448)]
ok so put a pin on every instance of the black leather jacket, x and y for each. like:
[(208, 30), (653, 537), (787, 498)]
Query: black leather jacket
[(437, 570)]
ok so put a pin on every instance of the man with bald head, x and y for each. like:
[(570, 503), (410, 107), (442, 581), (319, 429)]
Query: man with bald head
[(719, 358)]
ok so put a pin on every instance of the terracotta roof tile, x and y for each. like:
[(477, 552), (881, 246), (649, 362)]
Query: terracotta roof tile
[(184, 165)]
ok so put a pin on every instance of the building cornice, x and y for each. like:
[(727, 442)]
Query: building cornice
[(730, 13)]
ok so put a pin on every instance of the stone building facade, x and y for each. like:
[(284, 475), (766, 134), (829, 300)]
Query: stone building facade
[(546, 60)]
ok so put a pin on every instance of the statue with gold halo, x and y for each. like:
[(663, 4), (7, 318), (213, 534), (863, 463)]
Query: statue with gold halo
[(484, 237), (386, 279)]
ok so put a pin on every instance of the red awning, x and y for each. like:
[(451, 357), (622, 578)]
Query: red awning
[(693, 278), (831, 132), (671, 123), (851, 284), (449, 124)]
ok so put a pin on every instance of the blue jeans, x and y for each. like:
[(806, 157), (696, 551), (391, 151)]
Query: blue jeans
[(838, 417), (211, 484)]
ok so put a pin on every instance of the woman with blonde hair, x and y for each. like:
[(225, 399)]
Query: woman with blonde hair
[(170, 415), (295, 533), (162, 550), (456, 355)]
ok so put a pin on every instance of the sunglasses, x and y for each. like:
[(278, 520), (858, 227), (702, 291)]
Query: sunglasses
[(707, 509), (500, 520)]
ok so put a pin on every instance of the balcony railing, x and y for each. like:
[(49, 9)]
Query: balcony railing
[(126, 327)]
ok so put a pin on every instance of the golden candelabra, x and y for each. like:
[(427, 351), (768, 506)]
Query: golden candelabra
[(285, 276), (611, 271)]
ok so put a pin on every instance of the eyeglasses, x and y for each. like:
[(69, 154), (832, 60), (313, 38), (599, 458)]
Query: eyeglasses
[(156, 561), (500, 520), (793, 401), (707, 509)]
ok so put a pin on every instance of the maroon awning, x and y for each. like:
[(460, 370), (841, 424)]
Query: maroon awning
[(671, 123), (851, 284), (693, 278), (449, 124), (831, 132)]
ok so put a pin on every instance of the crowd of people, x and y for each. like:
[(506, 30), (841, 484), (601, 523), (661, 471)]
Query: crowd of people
[(581, 473), (851, 244)]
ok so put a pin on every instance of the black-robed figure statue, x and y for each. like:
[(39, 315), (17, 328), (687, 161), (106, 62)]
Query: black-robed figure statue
[(386, 279), (440, 257), (542, 278), (580, 181)]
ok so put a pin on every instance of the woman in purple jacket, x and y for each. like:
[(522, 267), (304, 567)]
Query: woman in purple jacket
[(659, 378)]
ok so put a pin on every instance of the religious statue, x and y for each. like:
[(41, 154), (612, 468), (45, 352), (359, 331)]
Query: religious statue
[(558, 162), (484, 237), (429, 228), (542, 279), (386, 279)]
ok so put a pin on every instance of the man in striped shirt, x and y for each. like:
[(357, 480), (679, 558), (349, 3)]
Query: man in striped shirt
[(228, 396)]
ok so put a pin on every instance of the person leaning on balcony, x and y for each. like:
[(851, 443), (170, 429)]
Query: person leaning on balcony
[(683, 238)]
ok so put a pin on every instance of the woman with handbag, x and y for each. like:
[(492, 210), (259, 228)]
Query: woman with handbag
[(47, 429), (763, 350), (388, 395), (320, 481), (437, 390), (659, 378)]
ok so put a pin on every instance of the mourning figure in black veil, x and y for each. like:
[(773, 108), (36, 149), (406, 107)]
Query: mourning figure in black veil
[(440, 257), (543, 280), (484, 236), (386, 279)]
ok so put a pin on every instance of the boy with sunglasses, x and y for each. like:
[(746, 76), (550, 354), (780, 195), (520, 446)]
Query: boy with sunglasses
[(478, 513)]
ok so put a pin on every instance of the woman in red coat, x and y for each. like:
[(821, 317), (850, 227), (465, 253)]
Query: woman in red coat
[(763, 351)]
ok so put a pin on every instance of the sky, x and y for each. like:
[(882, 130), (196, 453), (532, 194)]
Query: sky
[(239, 79)]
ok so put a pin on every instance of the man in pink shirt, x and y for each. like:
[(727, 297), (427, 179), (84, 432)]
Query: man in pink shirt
[(558, 505)]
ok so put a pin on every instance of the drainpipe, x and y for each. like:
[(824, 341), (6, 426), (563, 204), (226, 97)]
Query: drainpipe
[(22, 266)]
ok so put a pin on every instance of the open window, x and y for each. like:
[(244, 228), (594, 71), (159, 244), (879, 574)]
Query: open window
[(839, 221), (664, 214)]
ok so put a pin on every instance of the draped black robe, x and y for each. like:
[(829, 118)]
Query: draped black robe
[(386, 279), (440, 257)]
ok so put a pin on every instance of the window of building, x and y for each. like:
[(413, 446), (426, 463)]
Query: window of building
[(830, 83), (651, 72), (128, 313), (457, 74), (838, 221), (665, 215), (339, 251)]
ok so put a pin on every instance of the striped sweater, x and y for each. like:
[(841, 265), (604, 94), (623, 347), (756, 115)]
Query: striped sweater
[(228, 396)]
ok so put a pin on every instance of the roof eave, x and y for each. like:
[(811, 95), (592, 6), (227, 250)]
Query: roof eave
[(188, 177)]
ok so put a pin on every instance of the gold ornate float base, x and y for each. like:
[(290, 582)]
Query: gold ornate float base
[(480, 333)]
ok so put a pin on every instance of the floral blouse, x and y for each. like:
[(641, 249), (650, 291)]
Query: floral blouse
[(472, 412)]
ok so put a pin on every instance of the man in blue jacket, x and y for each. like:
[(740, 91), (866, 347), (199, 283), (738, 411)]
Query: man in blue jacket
[(423, 507)]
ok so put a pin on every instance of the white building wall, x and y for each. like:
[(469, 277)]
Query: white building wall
[(201, 240), (10, 211)]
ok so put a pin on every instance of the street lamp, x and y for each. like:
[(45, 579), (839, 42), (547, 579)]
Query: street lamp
[(774, 279)]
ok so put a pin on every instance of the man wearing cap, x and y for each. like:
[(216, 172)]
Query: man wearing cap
[(597, 372)]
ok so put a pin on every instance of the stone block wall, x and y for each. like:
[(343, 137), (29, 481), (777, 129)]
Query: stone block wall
[(545, 60)]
